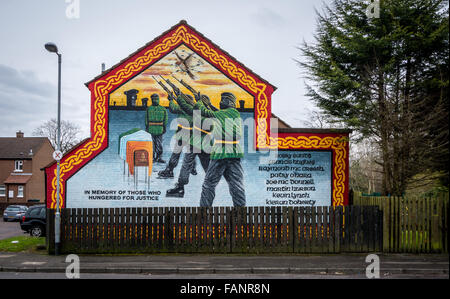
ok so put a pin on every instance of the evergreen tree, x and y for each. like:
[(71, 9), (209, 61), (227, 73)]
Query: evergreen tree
[(387, 78)]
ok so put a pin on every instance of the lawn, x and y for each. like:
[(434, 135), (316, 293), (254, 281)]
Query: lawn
[(24, 243)]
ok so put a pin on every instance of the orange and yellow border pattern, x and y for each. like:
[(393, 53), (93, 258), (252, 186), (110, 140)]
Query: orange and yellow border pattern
[(261, 90)]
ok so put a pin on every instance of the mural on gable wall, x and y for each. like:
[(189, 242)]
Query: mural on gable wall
[(170, 143)]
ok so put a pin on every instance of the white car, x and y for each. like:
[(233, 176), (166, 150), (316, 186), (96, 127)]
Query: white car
[(14, 213)]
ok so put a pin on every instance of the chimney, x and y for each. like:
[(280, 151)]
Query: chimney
[(103, 67), (19, 134)]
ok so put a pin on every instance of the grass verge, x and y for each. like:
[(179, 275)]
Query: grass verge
[(24, 243)]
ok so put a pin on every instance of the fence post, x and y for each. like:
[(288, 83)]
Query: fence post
[(435, 227), (337, 211), (229, 229), (386, 210), (50, 231), (445, 223)]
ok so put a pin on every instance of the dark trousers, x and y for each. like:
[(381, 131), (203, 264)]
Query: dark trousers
[(157, 147), (173, 161), (189, 164), (231, 170), (175, 157)]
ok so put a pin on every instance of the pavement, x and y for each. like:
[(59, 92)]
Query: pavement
[(10, 229), (196, 265), (39, 265)]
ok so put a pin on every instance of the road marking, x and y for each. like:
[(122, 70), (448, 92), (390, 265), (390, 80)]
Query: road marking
[(417, 263), (7, 256), (34, 263)]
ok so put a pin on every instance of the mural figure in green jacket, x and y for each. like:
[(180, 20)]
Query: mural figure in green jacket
[(181, 136), (156, 122), (226, 151), (197, 139)]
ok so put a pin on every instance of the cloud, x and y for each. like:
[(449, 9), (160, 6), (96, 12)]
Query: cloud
[(209, 72), (154, 71), (23, 81), (25, 101), (212, 82), (151, 89), (268, 18), (145, 80), (161, 64)]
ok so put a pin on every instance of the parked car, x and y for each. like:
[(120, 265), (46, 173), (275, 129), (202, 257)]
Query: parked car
[(34, 221), (14, 213)]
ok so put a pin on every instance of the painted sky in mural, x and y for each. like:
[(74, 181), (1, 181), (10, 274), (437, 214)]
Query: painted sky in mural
[(183, 64)]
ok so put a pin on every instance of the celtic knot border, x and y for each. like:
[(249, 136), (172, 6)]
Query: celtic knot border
[(102, 88)]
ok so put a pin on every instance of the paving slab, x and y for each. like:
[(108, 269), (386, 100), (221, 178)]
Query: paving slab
[(191, 264)]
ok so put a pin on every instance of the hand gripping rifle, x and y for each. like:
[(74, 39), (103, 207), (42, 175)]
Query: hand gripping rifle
[(177, 91), (194, 92)]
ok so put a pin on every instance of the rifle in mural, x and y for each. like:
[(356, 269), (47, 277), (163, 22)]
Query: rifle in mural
[(169, 93), (188, 87), (176, 90), (173, 86), (194, 92)]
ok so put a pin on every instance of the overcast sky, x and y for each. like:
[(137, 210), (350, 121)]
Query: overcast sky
[(263, 35)]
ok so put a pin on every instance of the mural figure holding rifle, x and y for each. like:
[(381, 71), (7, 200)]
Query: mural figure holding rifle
[(226, 152), (182, 133), (198, 139)]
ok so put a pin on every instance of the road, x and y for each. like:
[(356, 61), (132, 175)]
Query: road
[(22, 275), (9, 229)]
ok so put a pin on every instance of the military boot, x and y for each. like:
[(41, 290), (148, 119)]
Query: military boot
[(178, 191), (165, 174)]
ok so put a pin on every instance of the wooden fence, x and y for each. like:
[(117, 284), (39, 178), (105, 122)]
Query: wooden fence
[(416, 225), (219, 230)]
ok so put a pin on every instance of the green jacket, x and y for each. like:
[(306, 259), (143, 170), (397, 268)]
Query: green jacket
[(198, 135), (227, 132), (184, 119), (156, 118)]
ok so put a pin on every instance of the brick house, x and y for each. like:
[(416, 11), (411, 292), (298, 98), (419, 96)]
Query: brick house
[(21, 160)]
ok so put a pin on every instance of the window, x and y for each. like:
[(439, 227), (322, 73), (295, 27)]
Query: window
[(12, 209), (18, 165), (34, 212), (2, 190), (20, 191)]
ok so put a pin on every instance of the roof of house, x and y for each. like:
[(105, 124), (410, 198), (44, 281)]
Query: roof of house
[(17, 179), (19, 148), (281, 121)]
